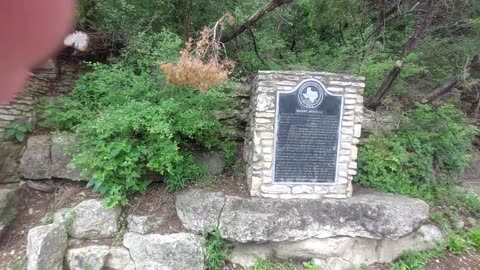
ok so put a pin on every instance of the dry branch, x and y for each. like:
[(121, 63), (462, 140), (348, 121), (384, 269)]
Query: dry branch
[(254, 18), (473, 66)]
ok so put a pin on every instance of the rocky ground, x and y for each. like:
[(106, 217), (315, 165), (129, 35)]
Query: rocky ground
[(60, 223), (38, 208)]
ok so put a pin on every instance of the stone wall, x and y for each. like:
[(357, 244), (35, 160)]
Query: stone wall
[(259, 142), (44, 81)]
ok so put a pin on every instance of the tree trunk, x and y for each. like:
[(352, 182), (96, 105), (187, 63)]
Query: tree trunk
[(473, 66), (419, 32), (441, 91), (101, 43), (273, 4), (381, 20)]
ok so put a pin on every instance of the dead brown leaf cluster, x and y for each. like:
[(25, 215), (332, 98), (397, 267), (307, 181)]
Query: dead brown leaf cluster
[(203, 63)]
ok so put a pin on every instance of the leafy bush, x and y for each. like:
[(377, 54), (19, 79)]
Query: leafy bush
[(310, 265), (18, 132), (130, 123), (417, 260), (431, 147), (218, 250), (474, 238), (457, 244)]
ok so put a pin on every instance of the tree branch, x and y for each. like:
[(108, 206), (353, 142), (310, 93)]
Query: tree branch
[(419, 32), (273, 4), (255, 46)]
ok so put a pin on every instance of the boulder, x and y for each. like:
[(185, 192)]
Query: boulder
[(213, 161), (373, 215), (426, 237), (89, 220), (61, 160), (9, 198), (166, 252), (9, 170), (35, 162), (46, 247), (143, 224), (98, 257), (339, 253), (200, 210)]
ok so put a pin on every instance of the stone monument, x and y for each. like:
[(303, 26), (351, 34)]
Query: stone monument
[(302, 134)]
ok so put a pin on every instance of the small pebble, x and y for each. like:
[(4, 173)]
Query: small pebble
[(30, 211)]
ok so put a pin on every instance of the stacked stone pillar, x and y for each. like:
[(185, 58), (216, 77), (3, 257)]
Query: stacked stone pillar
[(260, 133)]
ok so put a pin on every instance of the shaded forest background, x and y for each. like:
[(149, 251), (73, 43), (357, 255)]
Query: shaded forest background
[(408, 51)]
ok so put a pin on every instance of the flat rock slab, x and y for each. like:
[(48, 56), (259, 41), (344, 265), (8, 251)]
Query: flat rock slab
[(374, 215), (165, 252), (352, 251)]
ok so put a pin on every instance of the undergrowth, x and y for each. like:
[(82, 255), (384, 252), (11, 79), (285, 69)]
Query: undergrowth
[(131, 124), (270, 264), (456, 243), (217, 249), (429, 149), (18, 131), (424, 159)]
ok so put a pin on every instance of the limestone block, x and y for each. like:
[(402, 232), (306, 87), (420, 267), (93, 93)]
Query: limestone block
[(302, 189), (89, 220), (169, 252), (275, 189), (99, 257), (144, 224), (35, 162), (194, 215), (61, 160), (46, 246)]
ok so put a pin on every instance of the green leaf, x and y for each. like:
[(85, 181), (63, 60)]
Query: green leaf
[(20, 136)]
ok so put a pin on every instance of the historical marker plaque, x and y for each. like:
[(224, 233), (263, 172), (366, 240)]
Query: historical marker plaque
[(302, 134), (307, 131)]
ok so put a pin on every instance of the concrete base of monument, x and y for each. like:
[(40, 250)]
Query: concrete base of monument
[(364, 229)]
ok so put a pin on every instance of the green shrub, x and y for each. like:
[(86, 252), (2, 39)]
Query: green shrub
[(310, 265), (456, 244), (218, 250), (123, 143), (430, 147), (130, 123), (417, 260), (474, 238), (18, 132)]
